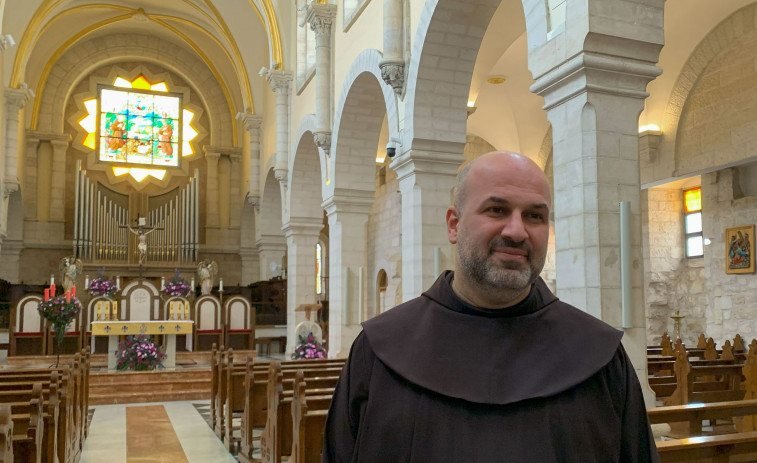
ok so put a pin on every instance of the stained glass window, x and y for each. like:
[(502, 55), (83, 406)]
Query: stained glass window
[(139, 127), (692, 225), (318, 269)]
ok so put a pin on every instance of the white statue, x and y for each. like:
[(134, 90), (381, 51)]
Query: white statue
[(206, 273), (70, 268), (141, 230)]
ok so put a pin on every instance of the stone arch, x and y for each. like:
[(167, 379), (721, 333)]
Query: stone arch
[(363, 104), (71, 68), (444, 53), (734, 31), (270, 206), (305, 176)]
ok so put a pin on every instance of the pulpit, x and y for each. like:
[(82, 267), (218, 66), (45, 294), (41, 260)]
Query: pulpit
[(168, 328)]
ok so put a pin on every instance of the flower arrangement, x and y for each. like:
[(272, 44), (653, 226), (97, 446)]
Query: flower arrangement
[(138, 353), (60, 311), (308, 348), (176, 286), (102, 286)]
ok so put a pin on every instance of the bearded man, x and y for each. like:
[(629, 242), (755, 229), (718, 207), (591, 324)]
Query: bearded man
[(488, 365)]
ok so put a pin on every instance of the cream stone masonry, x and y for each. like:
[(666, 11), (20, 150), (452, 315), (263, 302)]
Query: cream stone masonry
[(281, 83), (347, 213), (426, 180), (271, 249), (252, 124), (321, 17), (15, 100), (301, 237), (212, 155), (393, 63)]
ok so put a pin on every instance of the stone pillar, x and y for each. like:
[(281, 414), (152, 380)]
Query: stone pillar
[(271, 248), (235, 196), (321, 16), (281, 82), (393, 63), (212, 154), (347, 213), (426, 181), (252, 124), (15, 100), (593, 102), (60, 144), (301, 238)]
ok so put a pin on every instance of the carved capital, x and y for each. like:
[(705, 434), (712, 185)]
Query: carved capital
[(251, 122), (323, 141), (280, 172), (394, 75), (280, 81), (10, 187), (321, 17), (253, 199), (16, 98)]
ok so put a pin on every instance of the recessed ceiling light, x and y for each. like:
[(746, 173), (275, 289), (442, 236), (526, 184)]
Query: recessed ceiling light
[(496, 80)]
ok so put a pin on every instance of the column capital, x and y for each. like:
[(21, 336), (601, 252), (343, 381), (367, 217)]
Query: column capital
[(251, 122), (323, 141), (595, 72), (34, 136), (303, 227), (16, 98), (216, 151), (280, 81), (321, 17), (393, 73), (271, 243), (415, 162), (348, 200)]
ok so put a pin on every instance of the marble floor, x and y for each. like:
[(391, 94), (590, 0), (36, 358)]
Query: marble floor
[(110, 441)]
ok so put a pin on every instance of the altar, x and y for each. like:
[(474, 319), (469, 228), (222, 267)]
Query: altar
[(167, 328)]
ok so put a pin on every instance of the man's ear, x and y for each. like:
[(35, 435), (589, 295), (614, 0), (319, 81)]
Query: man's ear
[(453, 219)]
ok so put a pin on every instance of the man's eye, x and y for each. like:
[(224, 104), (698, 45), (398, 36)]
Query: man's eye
[(536, 217)]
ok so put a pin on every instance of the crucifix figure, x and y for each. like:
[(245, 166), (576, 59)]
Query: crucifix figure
[(141, 230)]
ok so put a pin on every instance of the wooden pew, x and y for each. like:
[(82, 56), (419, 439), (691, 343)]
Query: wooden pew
[(694, 414), (308, 425), (6, 434), (27, 414), (718, 449)]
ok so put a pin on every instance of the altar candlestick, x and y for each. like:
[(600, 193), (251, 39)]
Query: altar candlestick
[(52, 280), (192, 285), (99, 310), (68, 297), (170, 310), (220, 284), (52, 290), (73, 291), (162, 283), (86, 282), (118, 283), (114, 308), (47, 294), (186, 310)]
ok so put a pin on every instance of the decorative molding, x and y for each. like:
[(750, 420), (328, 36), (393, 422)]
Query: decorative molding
[(16, 98), (251, 122), (323, 141), (394, 75), (280, 81), (321, 18)]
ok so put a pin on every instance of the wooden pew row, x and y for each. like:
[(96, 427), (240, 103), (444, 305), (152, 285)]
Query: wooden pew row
[(717, 449), (308, 424), (28, 426), (695, 414), (276, 440), (6, 434), (23, 412)]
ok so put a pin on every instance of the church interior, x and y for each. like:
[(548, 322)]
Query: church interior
[(242, 184)]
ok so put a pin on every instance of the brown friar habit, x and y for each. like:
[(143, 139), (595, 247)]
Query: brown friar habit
[(435, 380)]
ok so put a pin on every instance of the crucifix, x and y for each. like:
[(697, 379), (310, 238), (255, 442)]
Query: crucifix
[(141, 230)]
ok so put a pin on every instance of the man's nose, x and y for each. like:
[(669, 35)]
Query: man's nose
[(514, 228)]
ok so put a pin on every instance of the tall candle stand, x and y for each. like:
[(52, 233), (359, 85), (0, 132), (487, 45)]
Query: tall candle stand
[(677, 317)]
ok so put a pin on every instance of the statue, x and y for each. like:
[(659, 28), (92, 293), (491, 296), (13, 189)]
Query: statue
[(206, 273), (141, 230), (70, 268)]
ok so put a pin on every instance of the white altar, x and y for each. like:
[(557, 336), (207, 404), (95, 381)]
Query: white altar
[(167, 328)]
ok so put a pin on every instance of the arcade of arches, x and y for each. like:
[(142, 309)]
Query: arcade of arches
[(280, 168)]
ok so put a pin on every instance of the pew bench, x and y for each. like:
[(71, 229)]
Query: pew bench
[(717, 449)]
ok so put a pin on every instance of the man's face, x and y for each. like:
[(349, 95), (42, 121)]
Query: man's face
[(503, 232)]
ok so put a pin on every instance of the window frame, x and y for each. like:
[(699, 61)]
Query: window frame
[(686, 234)]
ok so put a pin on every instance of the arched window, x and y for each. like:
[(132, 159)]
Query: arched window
[(382, 282)]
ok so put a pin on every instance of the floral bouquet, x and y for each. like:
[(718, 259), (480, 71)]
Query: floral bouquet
[(101, 286), (308, 348), (138, 353), (176, 286), (60, 311)]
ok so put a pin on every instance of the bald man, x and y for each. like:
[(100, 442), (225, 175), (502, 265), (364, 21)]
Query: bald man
[(488, 365)]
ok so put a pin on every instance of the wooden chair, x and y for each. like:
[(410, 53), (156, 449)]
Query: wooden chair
[(28, 327), (208, 318), (240, 332), (139, 301)]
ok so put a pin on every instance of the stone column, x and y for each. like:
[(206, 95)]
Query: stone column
[(301, 237), (15, 100), (393, 63), (281, 82), (235, 198), (271, 248), (426, 181), (347, 212), (252, 124), (212, 154), (60, 143), (593, 102), (321, 16)]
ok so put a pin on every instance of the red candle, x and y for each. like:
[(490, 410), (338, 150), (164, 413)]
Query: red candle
[(52, 290), (47, 294), (68, 297), (73, 291)]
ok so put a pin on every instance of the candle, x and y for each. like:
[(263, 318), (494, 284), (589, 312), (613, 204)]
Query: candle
[(73, 291), (52, 290), (220, 285), (192, 284), (162, 283), (47, 294), (68, 297), (86, 282), (186, 310), (52, 280), (99, 310), (118, 283), (170, 310), (114, 308)]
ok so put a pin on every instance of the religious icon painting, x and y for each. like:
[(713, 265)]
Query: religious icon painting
[(739, 249)]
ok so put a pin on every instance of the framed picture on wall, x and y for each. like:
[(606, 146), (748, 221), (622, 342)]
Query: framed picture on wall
[(739, 249)]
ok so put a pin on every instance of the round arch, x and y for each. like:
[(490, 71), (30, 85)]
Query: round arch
[(305, 176)]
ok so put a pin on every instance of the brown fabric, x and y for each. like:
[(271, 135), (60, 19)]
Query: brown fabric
[(428, 383), (539, 351)]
